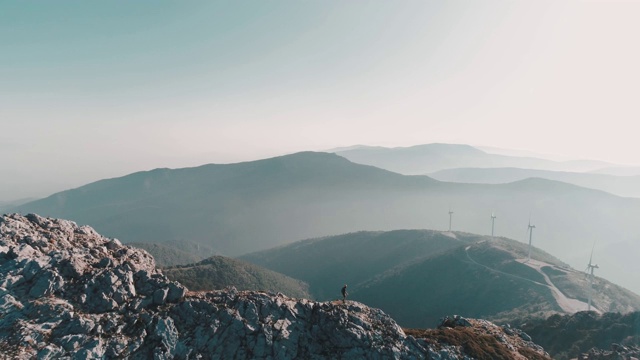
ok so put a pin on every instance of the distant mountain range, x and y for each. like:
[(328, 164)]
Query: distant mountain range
[(234, 209), (429, 158), (418, 276), (619, 171), (618, 185)]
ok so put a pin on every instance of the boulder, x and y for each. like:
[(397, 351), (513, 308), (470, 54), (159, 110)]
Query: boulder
[(160, 296)]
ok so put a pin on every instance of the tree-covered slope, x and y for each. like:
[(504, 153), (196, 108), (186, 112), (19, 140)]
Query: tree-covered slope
[(220, 272), (167, 255)]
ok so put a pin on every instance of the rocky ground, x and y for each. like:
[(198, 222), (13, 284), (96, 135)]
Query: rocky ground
[(617, 352), (68, 292)]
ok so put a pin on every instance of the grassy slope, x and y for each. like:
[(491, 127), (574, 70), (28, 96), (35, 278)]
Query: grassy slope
[(419, 294), (327, 263)]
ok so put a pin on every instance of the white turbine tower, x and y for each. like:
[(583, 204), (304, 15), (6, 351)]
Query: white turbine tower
[(493, 222), (450, 215), (530, 229), (590, 267)]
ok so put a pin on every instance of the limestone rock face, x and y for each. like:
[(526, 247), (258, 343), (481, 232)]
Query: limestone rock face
[(68, 292)]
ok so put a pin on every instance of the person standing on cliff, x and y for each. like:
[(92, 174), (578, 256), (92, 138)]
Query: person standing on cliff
[(344, 293)]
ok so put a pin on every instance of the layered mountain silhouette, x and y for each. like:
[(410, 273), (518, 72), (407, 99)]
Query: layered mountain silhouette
[(428, 158), (618, 185), (419, 275), (619, 171), (239, 208)]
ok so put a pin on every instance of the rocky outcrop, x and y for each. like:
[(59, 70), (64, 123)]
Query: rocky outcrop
[(617, 352), (480, 339), (587, 335), (65, 289), (68, 292)]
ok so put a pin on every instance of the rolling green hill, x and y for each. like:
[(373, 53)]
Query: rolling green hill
[(427, 274), (327, 263), (238, 208), (220, 272)]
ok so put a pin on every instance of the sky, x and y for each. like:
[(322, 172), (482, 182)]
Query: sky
[(93, 90)]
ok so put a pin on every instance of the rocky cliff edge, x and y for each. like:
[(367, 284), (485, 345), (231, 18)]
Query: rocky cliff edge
[(68, 292)]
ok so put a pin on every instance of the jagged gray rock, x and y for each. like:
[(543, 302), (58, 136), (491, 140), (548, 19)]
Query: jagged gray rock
[(68, 292)]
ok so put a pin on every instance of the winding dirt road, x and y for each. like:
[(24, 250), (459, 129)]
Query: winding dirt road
[(567, 305)]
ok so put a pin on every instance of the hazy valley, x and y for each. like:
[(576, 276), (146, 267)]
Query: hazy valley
[(240, 208)]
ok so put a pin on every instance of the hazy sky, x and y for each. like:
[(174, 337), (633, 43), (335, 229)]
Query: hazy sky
[(92, 89)]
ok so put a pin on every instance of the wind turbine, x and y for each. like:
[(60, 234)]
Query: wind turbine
[(589, 271), (530, 229), (450, 215), (493, 222)]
